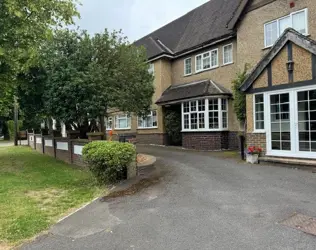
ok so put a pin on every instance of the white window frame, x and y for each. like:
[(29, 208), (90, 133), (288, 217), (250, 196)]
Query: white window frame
[(110, 118), (150, 115), (185, 60), (278, 25), (125, 116), (232, 54), (206, 115), (255, 130), (210, 58), (151, 68)]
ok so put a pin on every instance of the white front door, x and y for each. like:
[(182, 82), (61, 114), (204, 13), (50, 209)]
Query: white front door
[(291, 123)]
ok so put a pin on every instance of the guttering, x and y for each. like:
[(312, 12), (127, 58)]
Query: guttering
[(192, 50)]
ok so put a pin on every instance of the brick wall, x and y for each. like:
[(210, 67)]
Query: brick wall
[(31, 140), (256, 139), (63, 150), (39, 143), (49, 149), (233, 140), (77, 154), (158, 139)]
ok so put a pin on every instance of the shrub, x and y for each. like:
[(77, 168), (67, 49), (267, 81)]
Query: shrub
[(108, 160), (10, 125)]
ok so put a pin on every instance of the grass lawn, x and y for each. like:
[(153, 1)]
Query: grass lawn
[(37, 190)]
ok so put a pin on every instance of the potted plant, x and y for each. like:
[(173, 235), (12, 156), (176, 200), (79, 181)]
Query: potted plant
[(253, 153)]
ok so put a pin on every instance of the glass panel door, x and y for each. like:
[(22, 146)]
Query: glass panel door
[(280, 120), (306, 108)]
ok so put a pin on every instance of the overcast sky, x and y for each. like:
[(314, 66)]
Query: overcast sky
[(136, 18)]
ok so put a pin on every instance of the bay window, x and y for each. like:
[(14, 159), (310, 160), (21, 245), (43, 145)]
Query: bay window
[(274, 29), (205, 115), (149, 121), (122, 121)]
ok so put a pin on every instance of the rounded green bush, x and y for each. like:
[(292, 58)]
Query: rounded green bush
[(108, 160)]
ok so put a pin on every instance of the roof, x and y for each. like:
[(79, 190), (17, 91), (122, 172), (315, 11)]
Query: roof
[(289, 35), (176, 93), (203, 25)]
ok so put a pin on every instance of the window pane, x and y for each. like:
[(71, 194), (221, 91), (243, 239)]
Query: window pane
[(304, 146), (224, 118), (228, 54), (224, 104), (260, 125), (276, 145), (312, 95), (193, 106), (303, 116), (214, 60), (299, 22), (302, 96), (258, 98), (188, 68), (271, 33), (206, 63), (198, 65), (286, 145), (284, 23), (201, 105), (259, 112), (194, 121), (186, 107), (186, 122), (201, 120)]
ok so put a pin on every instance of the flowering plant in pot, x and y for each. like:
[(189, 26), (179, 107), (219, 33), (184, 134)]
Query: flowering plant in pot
[(253, 153)]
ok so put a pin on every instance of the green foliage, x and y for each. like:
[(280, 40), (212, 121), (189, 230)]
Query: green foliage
[(87, 75), (173, 126), (108, 160), (10, 125), (25, 25), (239, 96)]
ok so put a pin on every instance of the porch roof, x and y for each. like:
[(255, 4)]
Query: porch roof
[(178, 93)]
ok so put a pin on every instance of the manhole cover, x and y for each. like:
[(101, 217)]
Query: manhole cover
[(301, 222)]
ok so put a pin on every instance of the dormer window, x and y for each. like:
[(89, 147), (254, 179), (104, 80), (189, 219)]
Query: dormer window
[(274, 29)]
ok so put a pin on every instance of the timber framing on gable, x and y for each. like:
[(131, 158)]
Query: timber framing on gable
[(289, 38)]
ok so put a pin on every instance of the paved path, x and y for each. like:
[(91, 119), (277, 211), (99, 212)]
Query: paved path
[(201, 202)]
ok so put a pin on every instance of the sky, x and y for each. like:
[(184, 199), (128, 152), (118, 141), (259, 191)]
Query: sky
[(136, 18)]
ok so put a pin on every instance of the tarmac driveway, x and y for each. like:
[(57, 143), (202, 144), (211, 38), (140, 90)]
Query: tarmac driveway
[(201, 202)]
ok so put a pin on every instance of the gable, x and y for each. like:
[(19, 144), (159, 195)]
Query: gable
[(291, 60)]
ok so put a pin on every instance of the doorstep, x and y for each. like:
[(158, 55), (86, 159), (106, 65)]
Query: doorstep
[(289, 160)]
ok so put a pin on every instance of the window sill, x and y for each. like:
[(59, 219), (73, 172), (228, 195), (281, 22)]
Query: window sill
[(203, 130), (226, 64), (122, 128), (187, 75), (259, 132), (147, 128), (200, 71)]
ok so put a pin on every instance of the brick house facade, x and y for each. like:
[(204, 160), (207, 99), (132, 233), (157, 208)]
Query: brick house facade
[(186, 52)]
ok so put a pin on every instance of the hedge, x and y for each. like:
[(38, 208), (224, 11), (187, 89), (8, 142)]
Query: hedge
[(108, 160)]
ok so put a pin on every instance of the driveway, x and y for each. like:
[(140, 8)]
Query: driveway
[(201, 202)]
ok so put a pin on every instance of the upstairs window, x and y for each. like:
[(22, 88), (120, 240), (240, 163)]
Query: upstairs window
[(273, 30), (207, 60), (150, 121), (188, 66), (228, 54), (151, 69)]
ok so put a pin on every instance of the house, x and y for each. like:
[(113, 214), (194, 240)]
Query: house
[(195, 58)]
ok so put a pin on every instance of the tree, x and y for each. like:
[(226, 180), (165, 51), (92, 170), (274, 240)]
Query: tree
[(239, 96), (86, 76), (24, 26)]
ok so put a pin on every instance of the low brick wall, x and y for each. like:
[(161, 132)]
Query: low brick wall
[(233, 140), (158, 139), (49, 146), (77, 146), (39, 143), (256, 139), (31, 140), (63, 149)]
